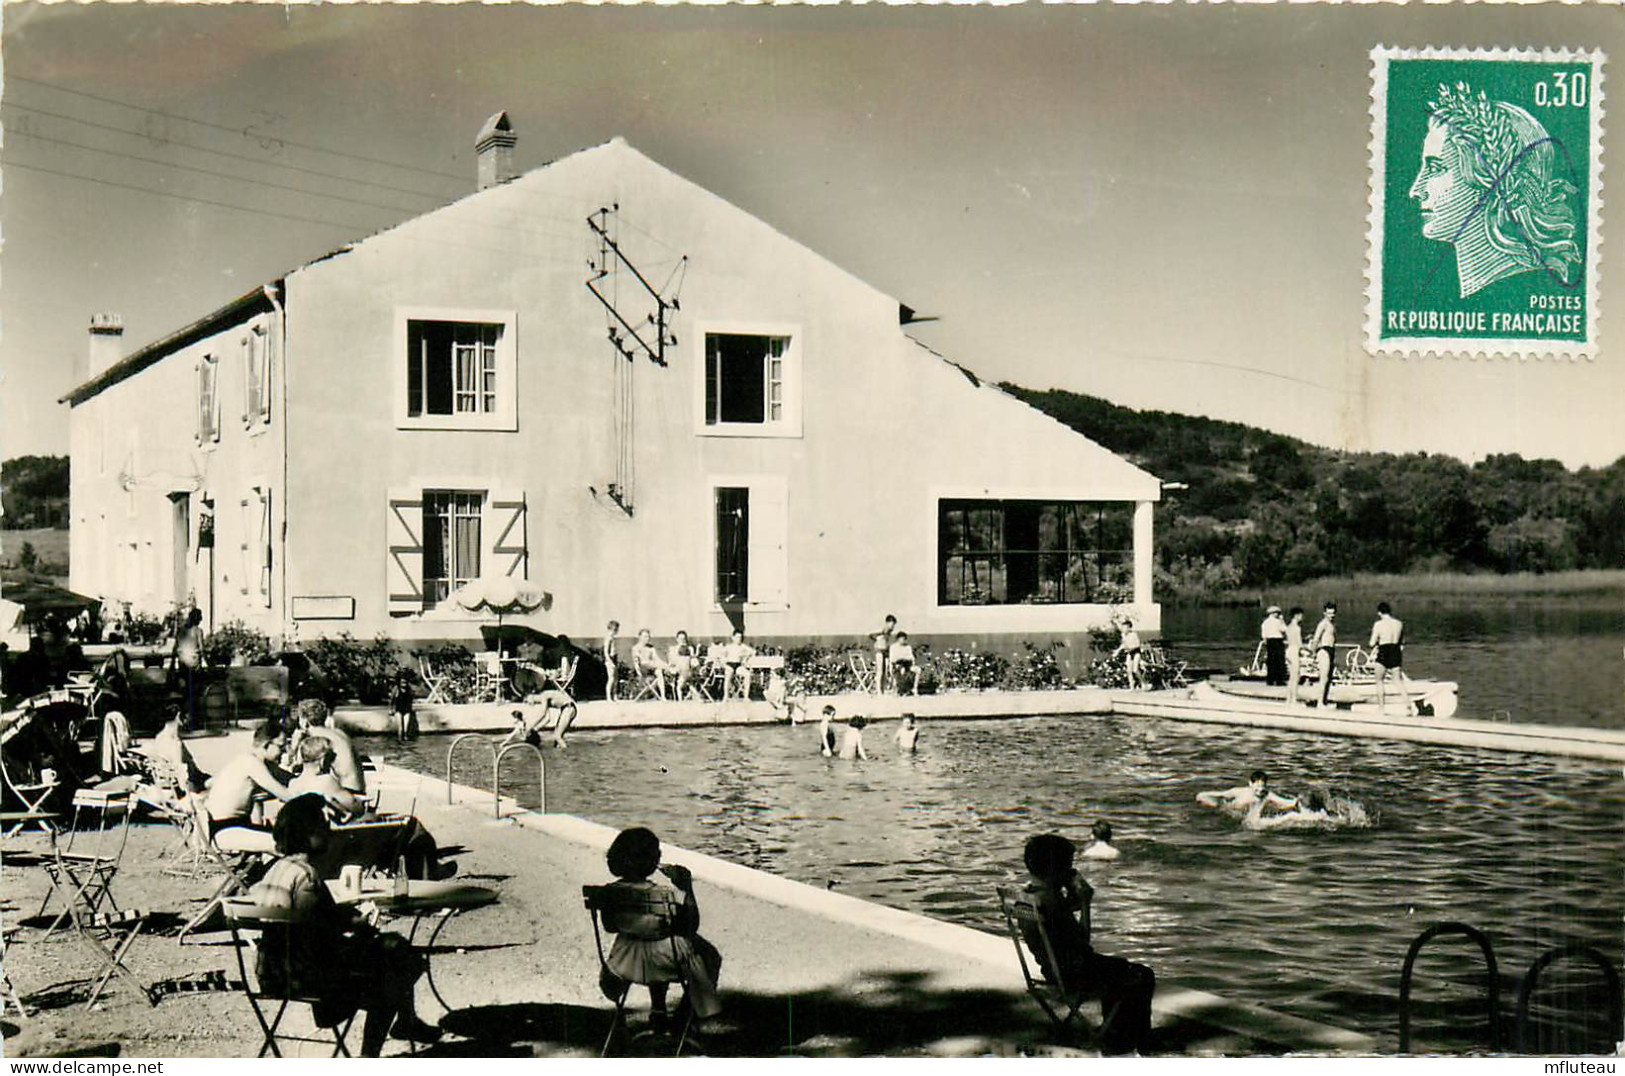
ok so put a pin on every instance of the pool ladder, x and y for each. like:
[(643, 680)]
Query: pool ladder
[(497, 755), (1521, 1043)]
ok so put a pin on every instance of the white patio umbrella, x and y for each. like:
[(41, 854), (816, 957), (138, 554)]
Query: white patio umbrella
[(502, 595)]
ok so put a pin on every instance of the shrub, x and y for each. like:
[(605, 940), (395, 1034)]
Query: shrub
[(818, 670), (1035, 670), (143, 629), (962, 670), (457, 665), (362, 671), (235, 639)]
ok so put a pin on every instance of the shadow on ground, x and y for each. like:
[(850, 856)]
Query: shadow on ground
[(887, 1013)]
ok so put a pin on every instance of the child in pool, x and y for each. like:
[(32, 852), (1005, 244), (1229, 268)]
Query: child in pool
[(645, 953), (1101, 847), (908, 735), (826, 735), (852, 742)]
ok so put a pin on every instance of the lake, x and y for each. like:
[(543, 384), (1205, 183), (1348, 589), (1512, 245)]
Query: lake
[(1544, 660)]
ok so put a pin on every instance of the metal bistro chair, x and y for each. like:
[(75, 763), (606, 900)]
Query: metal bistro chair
[(435, 681), (247, 916), (84, 880), (32, 795), (604, 901), (863, 671), (1061, 1001)]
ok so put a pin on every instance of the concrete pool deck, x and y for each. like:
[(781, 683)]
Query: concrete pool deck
[(806, 972), (1175, 704)]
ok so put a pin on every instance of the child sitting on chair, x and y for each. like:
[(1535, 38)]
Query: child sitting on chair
[(645, 951)]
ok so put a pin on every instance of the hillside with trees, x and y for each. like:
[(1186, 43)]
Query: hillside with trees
[(1264, 509), (34, 492)]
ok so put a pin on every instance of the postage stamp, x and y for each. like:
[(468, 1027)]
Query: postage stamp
[(1486, 202)]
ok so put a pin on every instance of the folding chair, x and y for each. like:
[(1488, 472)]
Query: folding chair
[(109, 936), (710, 675), (661, 905), (650, 682), (1054, 996), (247, 916), (489, 677), (863, 671), (168, 798), (8, 993), (85, 879), (435, 681), (32, 795)]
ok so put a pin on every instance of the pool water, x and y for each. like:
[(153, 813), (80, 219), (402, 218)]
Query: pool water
[(1315, 923)]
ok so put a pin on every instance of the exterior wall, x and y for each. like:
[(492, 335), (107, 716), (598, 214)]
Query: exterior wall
[(885, 427), (135, 448)]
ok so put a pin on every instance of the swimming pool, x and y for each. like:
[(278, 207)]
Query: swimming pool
[(1528, 849)]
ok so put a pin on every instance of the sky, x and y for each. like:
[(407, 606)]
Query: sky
[(1162, 206)]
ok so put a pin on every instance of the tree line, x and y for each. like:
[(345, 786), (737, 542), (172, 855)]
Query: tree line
[(1262, 509), (34, 492)]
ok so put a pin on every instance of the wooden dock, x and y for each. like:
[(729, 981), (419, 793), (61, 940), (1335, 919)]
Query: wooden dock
[(1186, 704)]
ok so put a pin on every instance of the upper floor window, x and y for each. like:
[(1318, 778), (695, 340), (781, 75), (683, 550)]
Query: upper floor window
[(751, 382), (456, 370), (256, 348), (208, 400)]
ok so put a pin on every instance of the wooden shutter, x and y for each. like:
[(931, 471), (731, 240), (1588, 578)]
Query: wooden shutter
[(403, 552), (265, 546), (248, 526), (508, 551), (769, 526)]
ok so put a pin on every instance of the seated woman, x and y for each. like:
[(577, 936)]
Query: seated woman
[(328, 951), (646, 662), (645, 953), (1062, 898), (370, 846)]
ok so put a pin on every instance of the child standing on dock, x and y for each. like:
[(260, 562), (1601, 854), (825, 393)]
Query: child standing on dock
[(1294, 653), (1324, 643), (1129, 648), (606, 653)]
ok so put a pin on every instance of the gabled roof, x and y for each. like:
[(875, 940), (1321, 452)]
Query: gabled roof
[(236, 311)]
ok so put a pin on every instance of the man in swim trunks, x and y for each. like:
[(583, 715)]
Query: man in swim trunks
[(1129, 648), (1242, 799), (231, 795), (1324, 644), (1387, 647)]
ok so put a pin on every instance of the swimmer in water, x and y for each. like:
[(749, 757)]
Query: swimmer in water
[(1101, 846), (1244, 798), (852, 742), (908, 735), (1310, 812), (826, 735)]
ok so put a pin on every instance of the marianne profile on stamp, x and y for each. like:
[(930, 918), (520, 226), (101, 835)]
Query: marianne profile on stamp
[(1490, 183)]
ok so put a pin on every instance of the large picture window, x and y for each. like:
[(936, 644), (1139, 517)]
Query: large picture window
[(451, 542), (1014, 552)]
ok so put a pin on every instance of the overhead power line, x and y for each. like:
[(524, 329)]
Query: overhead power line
[(261, 162), (241, 132)]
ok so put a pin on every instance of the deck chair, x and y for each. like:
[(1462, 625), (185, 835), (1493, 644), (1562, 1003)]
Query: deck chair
[(709, 675), (32, 795), (435, 681), (607, 900), (1062, 1002), (249, 922), (84, 880)]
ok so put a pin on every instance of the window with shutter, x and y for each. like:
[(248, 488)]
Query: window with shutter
[(208, 402), (403, 552)]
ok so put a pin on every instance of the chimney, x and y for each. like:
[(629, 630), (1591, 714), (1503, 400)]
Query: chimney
[(106, 345), (494, 151)]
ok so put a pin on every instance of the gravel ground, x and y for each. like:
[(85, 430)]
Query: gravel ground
[(520, 976)]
